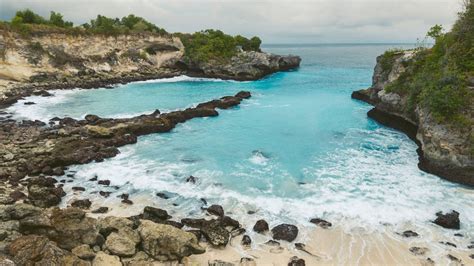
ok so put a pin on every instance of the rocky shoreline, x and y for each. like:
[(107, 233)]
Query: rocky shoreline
[(442, 149), (32, 147)]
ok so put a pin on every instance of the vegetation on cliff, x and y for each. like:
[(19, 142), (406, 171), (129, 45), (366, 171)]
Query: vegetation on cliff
[(202, 46), (439, 78), (207, 45)]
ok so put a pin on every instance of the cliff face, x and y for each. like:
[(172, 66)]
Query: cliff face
[(245, 66), (445, 150), (57, 60)]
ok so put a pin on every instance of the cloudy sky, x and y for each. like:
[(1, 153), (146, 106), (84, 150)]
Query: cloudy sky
[(275, 21)]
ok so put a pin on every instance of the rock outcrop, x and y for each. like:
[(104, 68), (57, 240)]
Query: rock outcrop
[(55, 60), (249, 65), (444, 150), (40, 149)]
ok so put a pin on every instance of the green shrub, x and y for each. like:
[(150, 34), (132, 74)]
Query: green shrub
[(215, 45), (436, 78)]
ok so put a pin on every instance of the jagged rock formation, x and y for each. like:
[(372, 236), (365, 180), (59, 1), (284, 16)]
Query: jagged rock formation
[(444, 150)]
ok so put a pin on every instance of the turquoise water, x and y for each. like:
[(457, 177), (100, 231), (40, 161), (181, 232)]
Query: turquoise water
[(299, 148)]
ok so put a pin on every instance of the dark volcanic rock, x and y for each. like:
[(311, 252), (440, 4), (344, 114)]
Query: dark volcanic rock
[(105, 194), (320, 222), (155, 214), (295, 261), (78, 189), (246, 240), (104, 182), (261, 226), (191, 179), (448, 220), (286, 232), (81, 203), (101, 210), (409, 233), (216, 210), (162, 195)]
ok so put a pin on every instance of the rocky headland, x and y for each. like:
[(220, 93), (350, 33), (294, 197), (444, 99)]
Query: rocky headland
[(444, 150), (46, 59)]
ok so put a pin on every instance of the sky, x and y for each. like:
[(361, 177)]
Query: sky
[(274, 21)]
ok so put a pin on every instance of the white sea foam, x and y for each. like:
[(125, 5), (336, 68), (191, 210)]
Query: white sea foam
[(182, 78)]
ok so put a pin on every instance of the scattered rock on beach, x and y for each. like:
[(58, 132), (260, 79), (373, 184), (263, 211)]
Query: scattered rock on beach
[(261, 226), (295, 261), (100, 210), (448, 220), (287, 232), (104, 182), (81, 203), (246, 241), (320, 222), (409, 233), (155, 214), (419, 251), (162, 195), (78, 189), (105, 194)]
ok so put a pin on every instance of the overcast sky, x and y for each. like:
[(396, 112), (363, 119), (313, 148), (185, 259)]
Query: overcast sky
[(296, 21)]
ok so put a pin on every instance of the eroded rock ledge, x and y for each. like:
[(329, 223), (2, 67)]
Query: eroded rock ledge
[(443, 150), (33, 148)]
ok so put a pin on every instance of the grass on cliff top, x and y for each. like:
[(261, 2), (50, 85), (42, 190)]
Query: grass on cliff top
[(439, 78)]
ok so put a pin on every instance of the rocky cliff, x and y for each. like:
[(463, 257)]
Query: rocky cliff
[(49, 60), (444, 149)]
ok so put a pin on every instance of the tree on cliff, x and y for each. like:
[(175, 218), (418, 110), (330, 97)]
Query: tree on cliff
[(440, 78)]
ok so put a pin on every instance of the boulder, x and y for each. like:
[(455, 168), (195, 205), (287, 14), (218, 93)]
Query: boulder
[(122, 226), (83, 252), (286, 232), (100, 210), (104, 259), (216, 210), (165, 242), (120, 245), (39, 250), (81, 203), (215, 233), (72, 228), (448, 220), (261, 226), (155, 214), (320, 222), (42, 192), (246, 241), (295, 261), (409, 233)]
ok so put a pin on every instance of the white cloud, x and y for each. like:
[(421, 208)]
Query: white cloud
[(316, 21)]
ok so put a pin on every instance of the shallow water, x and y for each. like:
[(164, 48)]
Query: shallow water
[(299, 148)]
